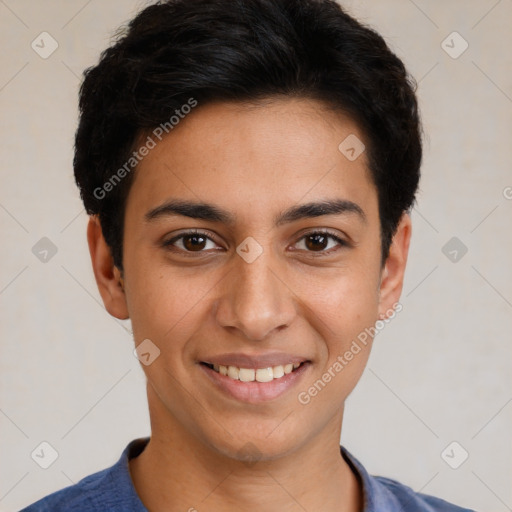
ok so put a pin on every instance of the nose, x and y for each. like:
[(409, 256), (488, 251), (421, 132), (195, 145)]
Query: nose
[(255, 299)]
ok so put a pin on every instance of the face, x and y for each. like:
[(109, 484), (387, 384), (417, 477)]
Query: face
[(251, 241)]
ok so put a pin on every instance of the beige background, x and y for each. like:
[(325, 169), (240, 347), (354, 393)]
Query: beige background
[(439, 373)]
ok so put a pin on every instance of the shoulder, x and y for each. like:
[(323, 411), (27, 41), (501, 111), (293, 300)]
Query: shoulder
[(110, 489), (381, 494), (87, 494), (407, 500)]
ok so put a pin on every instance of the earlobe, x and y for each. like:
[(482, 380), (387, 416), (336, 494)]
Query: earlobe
[(392, 277), (108, 277)]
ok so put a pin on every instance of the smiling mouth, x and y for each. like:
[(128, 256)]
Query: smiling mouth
[(255, 374)]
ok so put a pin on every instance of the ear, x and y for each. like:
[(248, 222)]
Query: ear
[(108, 277), (392, 277)]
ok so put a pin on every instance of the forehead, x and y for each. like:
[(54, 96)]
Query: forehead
[(255, 158)]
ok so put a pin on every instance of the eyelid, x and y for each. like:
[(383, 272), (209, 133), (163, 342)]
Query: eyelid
[(193, 231)]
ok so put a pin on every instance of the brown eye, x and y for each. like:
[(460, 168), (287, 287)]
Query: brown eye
[(322, 242), (190, 242), (194, 242), (316, 242)]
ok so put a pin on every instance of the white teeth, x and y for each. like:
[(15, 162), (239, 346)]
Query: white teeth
[(233, 372), (264, 374), (278, 371), (259, 375), (246, 375)]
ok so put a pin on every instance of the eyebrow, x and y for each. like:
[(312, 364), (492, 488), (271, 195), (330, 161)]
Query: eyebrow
[(212, 213)]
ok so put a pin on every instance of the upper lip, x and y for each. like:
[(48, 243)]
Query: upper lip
[(254, 361)]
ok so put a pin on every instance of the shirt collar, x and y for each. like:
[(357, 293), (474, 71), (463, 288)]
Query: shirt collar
[(373, 493)]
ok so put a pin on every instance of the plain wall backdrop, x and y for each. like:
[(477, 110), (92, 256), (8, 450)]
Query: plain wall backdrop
[(439, 372)]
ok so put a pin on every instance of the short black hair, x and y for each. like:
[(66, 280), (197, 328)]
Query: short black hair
[(178, 51)]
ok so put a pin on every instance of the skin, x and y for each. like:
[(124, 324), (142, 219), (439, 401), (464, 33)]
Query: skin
[(208, 450)]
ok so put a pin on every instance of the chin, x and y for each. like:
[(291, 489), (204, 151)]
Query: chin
[(251, 447)]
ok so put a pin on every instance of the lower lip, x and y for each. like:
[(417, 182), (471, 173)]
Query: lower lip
[(255, 392)]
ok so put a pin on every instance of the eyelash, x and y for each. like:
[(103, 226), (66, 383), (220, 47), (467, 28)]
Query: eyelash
[(168, 244)]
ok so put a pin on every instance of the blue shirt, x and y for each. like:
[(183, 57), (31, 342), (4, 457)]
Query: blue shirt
[(112, 490)]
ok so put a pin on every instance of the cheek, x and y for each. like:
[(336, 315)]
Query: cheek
[(343, 299), (170, 306), (344, 317), (343, 309)]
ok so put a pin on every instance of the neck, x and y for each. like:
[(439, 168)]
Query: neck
[(178, 472)]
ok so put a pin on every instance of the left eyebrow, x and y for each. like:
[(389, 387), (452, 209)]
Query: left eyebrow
[(319, 208), (212, 213)]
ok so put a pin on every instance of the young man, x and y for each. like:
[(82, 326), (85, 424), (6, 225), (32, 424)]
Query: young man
[(248, 167)]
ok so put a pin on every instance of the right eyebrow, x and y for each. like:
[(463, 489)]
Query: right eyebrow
[(192, 209)]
